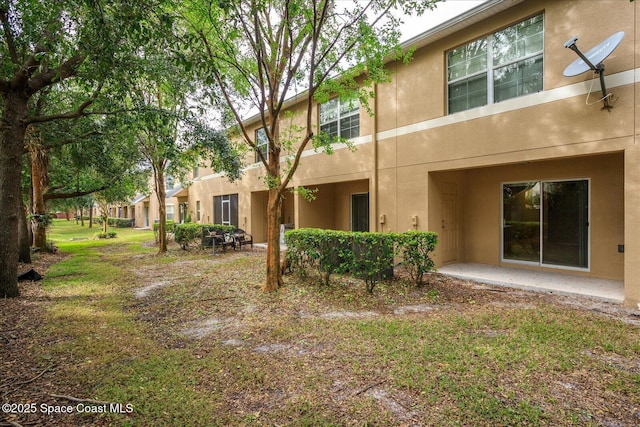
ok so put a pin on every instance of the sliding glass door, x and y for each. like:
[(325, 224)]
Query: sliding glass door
[(546, 222)]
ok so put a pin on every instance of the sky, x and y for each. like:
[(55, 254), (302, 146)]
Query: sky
[(444, 11)]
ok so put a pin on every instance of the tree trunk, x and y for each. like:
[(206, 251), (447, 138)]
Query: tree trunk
[(274, 211), (161, 193), (12, 132), (274, 273), (39, 184), (81, 216), (39, 227), (91, 217), (24, 255)]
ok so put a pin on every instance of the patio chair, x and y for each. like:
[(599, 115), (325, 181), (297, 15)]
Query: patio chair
[(242, 238)]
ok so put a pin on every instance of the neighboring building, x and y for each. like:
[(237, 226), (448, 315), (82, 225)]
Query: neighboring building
[(482, 139), (144, 208)]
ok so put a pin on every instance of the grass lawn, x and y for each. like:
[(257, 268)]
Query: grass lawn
[(124, 337)]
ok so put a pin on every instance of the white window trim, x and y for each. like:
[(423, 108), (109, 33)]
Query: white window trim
[(259, 145), (490, 66), (173, 212), (225, 203), (339, 118)]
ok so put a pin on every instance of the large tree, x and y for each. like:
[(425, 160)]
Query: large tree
[(49, 44), (259, 53)]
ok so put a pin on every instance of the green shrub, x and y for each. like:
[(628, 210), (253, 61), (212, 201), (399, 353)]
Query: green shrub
[(368, 256), (120, 222), (108, 235), (373, 256), (417, 247), (187, 233), (327, 250)]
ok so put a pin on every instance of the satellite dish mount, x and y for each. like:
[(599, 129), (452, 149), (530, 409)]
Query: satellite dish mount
[(595, 56)]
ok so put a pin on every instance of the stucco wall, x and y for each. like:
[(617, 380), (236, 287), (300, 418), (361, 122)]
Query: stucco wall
[(480, 207)]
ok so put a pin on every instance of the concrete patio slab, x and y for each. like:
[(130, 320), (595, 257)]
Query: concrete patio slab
[(543, 281)]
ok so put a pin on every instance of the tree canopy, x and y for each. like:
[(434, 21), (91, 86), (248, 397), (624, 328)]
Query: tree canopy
[(79, 50)]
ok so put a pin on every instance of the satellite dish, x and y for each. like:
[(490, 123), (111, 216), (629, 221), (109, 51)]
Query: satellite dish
[(594, 56), (592, 60)]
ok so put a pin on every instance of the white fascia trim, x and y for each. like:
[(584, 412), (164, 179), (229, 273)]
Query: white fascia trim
[(306, 153), (544, 97), (338, 146)]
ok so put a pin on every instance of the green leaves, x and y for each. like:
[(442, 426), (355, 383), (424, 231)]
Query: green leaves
[(417, 247), (369, 256)]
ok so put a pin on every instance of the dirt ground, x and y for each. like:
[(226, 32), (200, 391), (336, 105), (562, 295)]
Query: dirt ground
[(27, 377)]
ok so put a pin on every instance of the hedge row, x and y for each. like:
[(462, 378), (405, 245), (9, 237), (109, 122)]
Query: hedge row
[(115, 222), (369, 256)]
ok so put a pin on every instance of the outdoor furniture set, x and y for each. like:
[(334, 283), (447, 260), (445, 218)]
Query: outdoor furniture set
[(236, 239)]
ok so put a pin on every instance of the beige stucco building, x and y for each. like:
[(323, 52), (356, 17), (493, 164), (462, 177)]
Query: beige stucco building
[(482, 139)]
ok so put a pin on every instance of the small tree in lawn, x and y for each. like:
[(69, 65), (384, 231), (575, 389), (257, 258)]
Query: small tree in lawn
[(120, 192), (170, 137), (259, 53)]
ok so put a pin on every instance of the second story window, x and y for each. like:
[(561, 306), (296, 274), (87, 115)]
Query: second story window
[(169, 182), (262, 143), (340, 118), (503, 65)]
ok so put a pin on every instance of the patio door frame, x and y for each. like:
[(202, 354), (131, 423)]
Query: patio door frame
[(225, 209), (359, 222), (541, 262)]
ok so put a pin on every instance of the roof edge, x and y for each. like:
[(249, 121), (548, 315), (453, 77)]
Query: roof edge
[(440, 31), (459, 22)]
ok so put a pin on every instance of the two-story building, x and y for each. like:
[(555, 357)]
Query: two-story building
[(483, 139)]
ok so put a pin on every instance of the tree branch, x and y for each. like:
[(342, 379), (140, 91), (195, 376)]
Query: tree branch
[(54, 75), (66, 141), (227, 98), (8, 35), (57, 196), (79, 112), (296, 161)]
